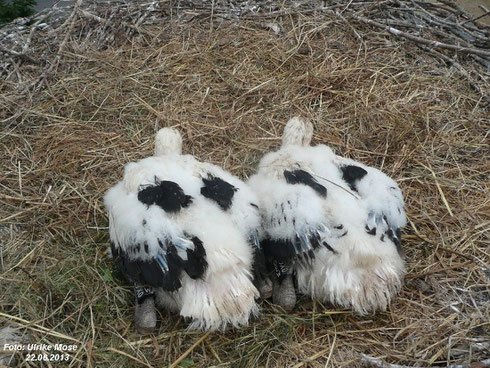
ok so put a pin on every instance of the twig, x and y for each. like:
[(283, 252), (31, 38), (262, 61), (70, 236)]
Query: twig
[(36, 327), (443, 196), (188, 351), (129, 356), (421, 40), (358, 36), (479, 17), (337, 185), (376, 362), (455, 64), (31, 33), (441, 247), (91, 16), (313, 357), (104, 22), (18, 54), (71, 21)]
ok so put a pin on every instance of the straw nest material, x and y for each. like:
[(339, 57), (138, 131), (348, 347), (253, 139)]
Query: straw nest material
[(85, 89)]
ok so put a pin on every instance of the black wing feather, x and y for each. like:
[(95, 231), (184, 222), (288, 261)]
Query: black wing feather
[(196, 261), (351, 174), (281, 253), (218, 190), (150, 272), (165, 194), (302, 177)]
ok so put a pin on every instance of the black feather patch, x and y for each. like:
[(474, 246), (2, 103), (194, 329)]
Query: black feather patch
[(280, 254), (329, 248), (351, 174), (165, 194), (281, 250), (196, 262), (114, 250), (218, 190), (396, 238), (370, 231), (302, 177), (149, 272), (259, 267)]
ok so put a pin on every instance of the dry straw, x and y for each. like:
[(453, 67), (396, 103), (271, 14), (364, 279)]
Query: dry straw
[(96, 83)]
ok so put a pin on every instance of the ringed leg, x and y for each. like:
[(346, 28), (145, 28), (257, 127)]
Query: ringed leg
[(283, 293), (264, 285), (145, 316)]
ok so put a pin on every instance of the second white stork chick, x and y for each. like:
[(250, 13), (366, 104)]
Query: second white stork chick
[(331, 223), (184, 232)]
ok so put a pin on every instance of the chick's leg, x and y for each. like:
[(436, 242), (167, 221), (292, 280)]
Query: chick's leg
[(283, 293), (145, 316), (264, 285)]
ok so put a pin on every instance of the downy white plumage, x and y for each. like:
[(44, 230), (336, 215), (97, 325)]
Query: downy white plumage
[(185, 230), (331, 222)]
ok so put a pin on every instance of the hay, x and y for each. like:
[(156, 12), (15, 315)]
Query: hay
[(71, 121)]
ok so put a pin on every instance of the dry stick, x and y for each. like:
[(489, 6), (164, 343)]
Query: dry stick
[(91, 16), (457, 34), (37, 327), (438, 270), (67, 22), (480, 16), (18, 54), (313, 357), (104, 22), (439, 188), (432, 17), (20, 80), (338, 185), (421, 40), (441, 247), (456, 29), (158, 337), (71, 21), (358, 36), (287, 12), (24, 258), (25, 48), (129, 356), (438, 7), (455, 64), (188, 351), (142, 18), (483, 8), (453, 5), (376, 362)]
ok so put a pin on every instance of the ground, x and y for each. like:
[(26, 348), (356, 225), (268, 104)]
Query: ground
[(230, 87)]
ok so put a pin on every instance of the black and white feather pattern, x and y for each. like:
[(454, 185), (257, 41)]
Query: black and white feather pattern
[(333, 223), (188, 230)]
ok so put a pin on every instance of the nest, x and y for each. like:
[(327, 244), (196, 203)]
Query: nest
[(85, 88)]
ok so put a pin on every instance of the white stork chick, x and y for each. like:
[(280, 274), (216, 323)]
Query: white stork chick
[(185, 232), (331, 222)]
